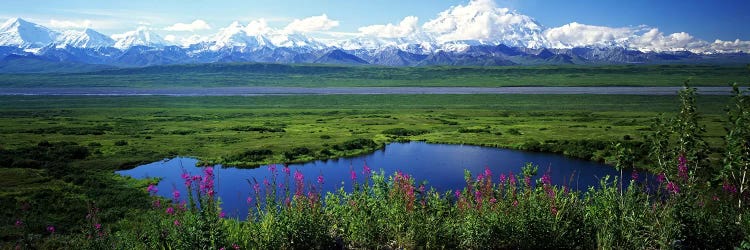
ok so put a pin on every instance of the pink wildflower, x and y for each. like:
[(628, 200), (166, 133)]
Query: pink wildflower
[(487, 173), (249, 200), (176, 195), (19, 223), (546, 179), (661, 177), (286, 170), (458, 194), (222, 214), (729, 188), (634, 175), (176, 222), (682, 169), (366, 171), (51, 229), (299, 182), (256, 187), (320, 179), (170, 211), (152, 189), (673, 188), (503, 178)]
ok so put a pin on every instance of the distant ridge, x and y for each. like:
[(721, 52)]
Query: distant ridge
[(47, 50)]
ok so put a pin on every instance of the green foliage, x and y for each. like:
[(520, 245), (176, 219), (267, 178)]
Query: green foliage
[(473, 130), (359, 143), (258, 129), (736, 170), (297, 152), (404, 132), (679, 137)]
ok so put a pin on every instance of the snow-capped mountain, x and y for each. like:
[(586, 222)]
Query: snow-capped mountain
[(24, 34), (295, 40), (139, 37), (252, 38), (87, 38), (503, 38)]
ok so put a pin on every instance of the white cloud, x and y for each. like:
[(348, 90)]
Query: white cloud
[(482, 20), (170, 38), (406, 27), (730, 46), (311, 24), (257, 27), (67, 24), (654, 40), (198, 24), (637, 38), (576, 35)]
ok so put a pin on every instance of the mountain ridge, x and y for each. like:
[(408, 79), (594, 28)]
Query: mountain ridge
[(238, 43)]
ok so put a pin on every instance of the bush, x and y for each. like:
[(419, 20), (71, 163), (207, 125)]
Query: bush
[(297, 152), (121, 143), (255, 155), (404, 132), (358, 144), (473, 130)]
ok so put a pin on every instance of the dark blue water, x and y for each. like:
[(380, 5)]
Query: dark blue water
[(441, 165)]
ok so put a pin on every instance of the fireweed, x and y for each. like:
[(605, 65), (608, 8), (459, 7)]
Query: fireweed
[(491, 210)]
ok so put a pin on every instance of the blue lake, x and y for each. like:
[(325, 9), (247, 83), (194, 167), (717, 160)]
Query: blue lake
[(440, 164)]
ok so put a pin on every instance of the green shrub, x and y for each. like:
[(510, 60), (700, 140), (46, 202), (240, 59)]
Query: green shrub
[(404, 132)]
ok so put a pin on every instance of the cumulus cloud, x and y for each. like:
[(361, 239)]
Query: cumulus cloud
[(198, 24), (311, 24), (730, 46), (654, 40), (406, 27), (482, 20), (256, 27), (66, 24), (576, 35), (637, 38)]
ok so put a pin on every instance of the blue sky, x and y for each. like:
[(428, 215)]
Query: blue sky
[(707, 20)]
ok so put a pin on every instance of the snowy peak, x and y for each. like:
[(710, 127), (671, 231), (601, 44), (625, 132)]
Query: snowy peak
[(482, 22), (295, 40), (24, 34), (139, 37), (87, 38), (236, 35), (257, 35)]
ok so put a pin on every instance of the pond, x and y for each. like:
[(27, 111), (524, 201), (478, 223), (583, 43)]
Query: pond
[(441, 165)]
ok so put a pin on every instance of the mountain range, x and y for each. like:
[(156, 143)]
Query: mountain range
[(24, 46)]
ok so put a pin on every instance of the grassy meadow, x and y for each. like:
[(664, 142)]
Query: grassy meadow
[(58, 155), (222, 129), (280, 75)]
